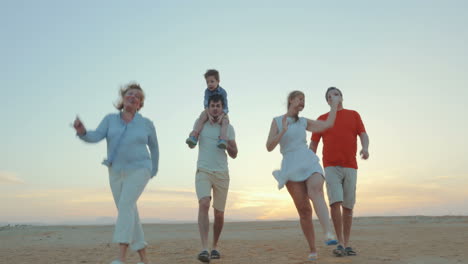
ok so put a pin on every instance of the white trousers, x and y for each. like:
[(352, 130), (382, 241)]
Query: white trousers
[(127, 186)]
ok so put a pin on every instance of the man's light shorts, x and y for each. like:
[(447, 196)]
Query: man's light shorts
[(206, 180), (341, 185)]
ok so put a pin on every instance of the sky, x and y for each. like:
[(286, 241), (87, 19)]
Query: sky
[(401, 64)]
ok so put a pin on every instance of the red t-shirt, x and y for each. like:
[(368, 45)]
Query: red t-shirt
[(340, 141)]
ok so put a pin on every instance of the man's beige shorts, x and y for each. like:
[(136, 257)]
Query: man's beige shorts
[(206, 180), (341, 185)]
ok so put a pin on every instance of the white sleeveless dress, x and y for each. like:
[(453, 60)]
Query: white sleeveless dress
[(299, 162)]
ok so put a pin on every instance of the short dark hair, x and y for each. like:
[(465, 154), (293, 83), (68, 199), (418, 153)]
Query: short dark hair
[(215, 98), (332, 88), (212, 72)]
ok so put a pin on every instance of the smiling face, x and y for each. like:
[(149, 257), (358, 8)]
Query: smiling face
[(296, 101), (133, 100)]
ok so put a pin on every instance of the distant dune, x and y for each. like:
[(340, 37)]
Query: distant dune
[(380, 240)]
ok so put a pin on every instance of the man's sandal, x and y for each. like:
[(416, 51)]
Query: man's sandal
[(350, 252), (215, 254), (204, 256), (312, 257), (339, 251)]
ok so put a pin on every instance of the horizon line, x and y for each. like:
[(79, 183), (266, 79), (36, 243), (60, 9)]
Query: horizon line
[(149, 221)]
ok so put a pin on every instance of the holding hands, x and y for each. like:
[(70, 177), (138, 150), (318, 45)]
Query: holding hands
[(220, 118), (210, 118)]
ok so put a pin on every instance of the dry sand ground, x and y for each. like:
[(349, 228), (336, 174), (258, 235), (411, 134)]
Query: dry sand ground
[(385, 240)]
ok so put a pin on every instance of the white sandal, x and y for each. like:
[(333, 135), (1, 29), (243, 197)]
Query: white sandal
[(312, 257)]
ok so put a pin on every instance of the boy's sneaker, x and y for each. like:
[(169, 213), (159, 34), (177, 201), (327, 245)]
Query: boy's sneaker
[(191, 141), (222, 144)]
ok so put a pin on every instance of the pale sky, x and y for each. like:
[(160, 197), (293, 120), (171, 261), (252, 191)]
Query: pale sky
[(401, 64)]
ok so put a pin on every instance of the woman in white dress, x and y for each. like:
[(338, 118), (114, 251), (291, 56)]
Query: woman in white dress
[(300, 169)]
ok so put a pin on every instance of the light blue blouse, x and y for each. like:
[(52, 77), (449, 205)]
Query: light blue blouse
[(127, 143)]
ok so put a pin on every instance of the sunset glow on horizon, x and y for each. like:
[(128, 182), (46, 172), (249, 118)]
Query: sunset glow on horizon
[(402, 65)]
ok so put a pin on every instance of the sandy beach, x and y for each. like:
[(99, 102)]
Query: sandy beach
[(385, 240)]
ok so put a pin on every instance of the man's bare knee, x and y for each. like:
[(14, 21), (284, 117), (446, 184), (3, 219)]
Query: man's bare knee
[(347, 211), (218, 214), (336, 205), (204, 203)]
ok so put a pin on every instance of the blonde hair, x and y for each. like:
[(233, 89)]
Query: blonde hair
[(123, 90), (291, 96)]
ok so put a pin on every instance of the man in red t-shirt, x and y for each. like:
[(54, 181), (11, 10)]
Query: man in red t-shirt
[(339, 161)]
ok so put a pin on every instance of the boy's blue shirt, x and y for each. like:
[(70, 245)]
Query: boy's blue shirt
[(220, 91)]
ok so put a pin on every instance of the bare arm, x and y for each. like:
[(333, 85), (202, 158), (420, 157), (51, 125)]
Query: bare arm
[(232, 149), (313, 146), (365, 145), (275, 136), (319, 125)]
